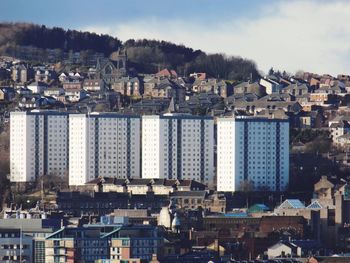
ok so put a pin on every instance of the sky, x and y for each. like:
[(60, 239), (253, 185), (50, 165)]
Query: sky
[(291, 35)]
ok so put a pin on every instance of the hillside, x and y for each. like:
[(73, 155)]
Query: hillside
[(29, 41)]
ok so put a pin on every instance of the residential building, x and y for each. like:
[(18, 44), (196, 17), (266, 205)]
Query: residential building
[(271, 86), (54, 92), (142, 186), (7, 93), (294, 248), (44, 75), (31, 102), (14, 246), (128, 86), (39, 144), (252, 152), (74, 84), (26, 237), (164, 88), (75, 95), (104, 242), (176, 146), (103, 145), (166, 73), (216, 86), (37, 87), (339, 129), (22, 73), (98, 203), (94, 85)]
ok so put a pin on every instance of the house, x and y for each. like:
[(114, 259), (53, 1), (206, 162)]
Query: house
[(201, 103), (22, 73), (296, 89), (339, 129), (166, 73), (278, 97), (37, 87), (294, 248), (164, 88), (74, 95), (4, 73), (63, 77), (216, 86), (128, 86), (149, 106), (7, 93), (270, 85), (260, 105), (76, 84), (309, 119), (23, 91), (201, 75), (44, 75), (248, 87), (319, 96), (54, 92), (94, 85), (32, 102), (142, 186), (343, 140)]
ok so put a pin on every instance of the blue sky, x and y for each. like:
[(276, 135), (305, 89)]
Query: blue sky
[(310, 35), (79, 13)]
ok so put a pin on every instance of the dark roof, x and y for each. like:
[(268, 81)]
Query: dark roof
[(139, 181), (188, 194)]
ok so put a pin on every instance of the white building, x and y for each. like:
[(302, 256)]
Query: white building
[(178, 147), (252, 152), (38, 144), (37, 87), (103, 145), (270, 85)]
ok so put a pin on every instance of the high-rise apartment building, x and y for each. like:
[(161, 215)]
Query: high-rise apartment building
[(103, 145), (38, 144), (253, 153), (178, 147)]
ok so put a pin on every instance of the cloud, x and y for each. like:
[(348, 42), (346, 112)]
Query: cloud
[(292, 35)]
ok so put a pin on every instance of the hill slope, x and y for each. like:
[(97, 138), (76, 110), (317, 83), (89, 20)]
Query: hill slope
[(146, 56)]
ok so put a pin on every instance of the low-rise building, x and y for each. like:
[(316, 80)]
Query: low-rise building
[(142, 186), (294, 248), (75, 95), (104, 242), (128, 86), (37, 87), (94, 85)]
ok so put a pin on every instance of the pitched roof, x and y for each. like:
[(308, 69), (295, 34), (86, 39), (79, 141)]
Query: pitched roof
[(189, 194), (166, 73), (292, 204), (315, 205)]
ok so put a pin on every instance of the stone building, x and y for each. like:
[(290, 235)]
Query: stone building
[(110, 70), (128, 86)]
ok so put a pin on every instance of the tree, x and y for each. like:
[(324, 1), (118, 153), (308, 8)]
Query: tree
[(246, 187), (271, 71)]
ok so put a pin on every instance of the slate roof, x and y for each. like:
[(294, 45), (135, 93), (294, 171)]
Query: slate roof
[(188, 194)]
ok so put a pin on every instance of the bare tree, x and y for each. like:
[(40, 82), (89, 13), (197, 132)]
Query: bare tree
[(246, 187)]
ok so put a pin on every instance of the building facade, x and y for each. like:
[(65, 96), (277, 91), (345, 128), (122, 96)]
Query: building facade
[(178, 147), (103, 145), (38, 145), (252, 153)]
